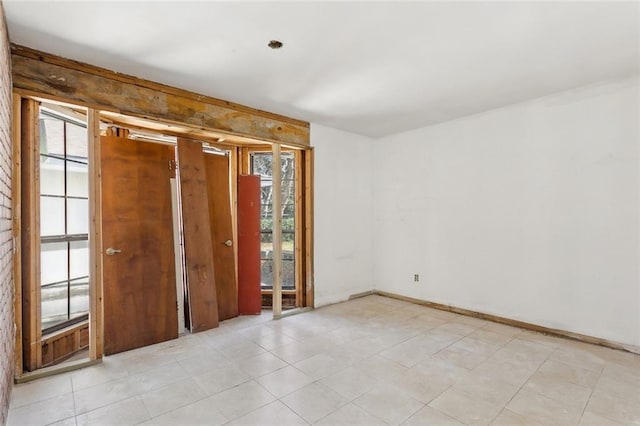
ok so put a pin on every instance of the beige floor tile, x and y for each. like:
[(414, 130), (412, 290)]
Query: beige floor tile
[(389, 403), (159, 377), (40, 390), (591, 419), (578, 357), (273, 414), (487, 388), (465, 408), (260, 365), (413, 351), (175, 395), (611, 404), (461, 357), (320, 366), (382, 369), (314, 401), (422, 387), (350, 382), (620, 389), (94, 397), (350, 415), (476, 346), (143, 361), (509, 371), (195, 414), (222, 378), (42, 412), (295, 352), (240, 400), (203, 362), (490, 337), (509, 418), (456, 328), (567, 393), (439, 368), (569, 372), (352, 363), (71, 421), (110, 369), (284, 381), (542, 409), (630, 374), (241, 350), (430, 416), (128, 412)]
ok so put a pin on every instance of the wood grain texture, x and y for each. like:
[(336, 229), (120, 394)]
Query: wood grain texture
[(201, 283), (308, 229), (16, 206), (139, 282), (86, 85), (224, 265), (30, 185), (96, 319)]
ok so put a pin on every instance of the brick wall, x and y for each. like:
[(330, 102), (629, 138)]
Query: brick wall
[(6, 245)]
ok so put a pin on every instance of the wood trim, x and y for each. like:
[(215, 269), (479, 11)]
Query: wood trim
[(96, 316), (308, 227), (66, 80), (16, 206), (201, 284), (276, 182), (513, 323), (299, 229), (30, 197), (56, 369)]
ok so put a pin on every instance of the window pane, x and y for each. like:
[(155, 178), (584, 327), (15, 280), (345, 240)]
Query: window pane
[(51, 216), (79, 259), (54, 304), (261, 164), (266, 274), (288, 275), (266, 249), (79, 299), (77, 179), (76, 141), (51, 136), (77, 216), (53, 262), (51, 176)]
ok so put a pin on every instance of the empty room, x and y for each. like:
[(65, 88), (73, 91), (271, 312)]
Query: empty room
[(332, 213)]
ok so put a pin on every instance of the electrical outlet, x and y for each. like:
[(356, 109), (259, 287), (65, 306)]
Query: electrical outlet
[(416, 277)]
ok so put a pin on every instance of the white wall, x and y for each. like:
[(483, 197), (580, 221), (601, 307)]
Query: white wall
[(343, 214), (528, 212)]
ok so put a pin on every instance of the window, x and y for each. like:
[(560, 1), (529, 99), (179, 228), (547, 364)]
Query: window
[(64, 221), (261, 164)]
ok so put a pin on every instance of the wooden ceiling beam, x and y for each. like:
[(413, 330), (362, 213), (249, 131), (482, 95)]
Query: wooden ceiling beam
[(38, 73)]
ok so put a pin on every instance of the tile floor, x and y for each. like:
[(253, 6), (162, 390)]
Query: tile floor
[(369, 361)]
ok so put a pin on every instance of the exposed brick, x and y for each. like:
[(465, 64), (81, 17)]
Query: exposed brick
[(6, 242)]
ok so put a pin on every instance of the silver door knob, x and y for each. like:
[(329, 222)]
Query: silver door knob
[(111, 251), (228, 243)]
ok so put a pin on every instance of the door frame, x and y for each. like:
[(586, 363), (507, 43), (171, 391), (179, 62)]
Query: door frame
[(238, 147)]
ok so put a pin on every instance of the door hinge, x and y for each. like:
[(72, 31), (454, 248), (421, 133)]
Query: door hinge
[(172, 165)]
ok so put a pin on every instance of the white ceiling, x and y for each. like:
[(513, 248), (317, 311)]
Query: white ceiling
[(369, 68)]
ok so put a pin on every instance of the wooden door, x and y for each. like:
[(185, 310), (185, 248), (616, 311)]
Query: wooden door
[(201, 282), (224, 259), (138, 252), (249, 291)]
